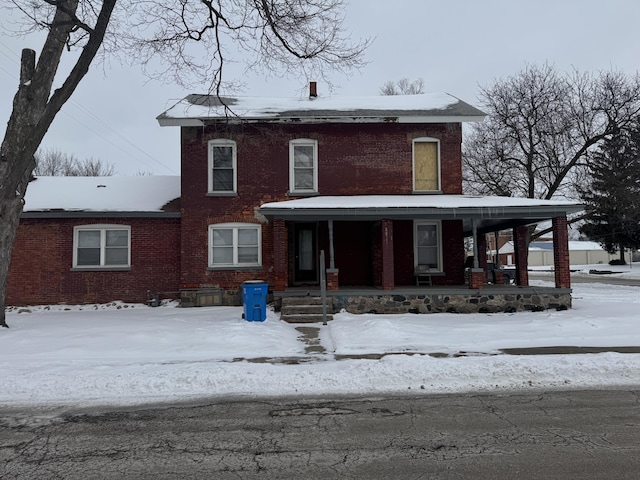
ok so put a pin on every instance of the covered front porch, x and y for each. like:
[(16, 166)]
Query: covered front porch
[(375, 246)]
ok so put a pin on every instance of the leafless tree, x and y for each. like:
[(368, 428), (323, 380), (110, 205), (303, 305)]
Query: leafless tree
[(276, 35), (403, 87), (54, 163), (540, 129)]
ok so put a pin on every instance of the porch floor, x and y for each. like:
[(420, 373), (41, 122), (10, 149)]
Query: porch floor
[(489, 289)]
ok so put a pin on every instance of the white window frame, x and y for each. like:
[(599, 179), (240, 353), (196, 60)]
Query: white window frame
[(222, 142), (102, 228), (304, 142), (235, 227), (438, 225), (413, 162)]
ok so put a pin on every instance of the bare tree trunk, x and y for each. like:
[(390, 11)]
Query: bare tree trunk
[(16, 166), (34, 108), (279, 33)]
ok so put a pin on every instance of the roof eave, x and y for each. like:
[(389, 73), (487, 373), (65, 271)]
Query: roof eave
[(96, 214), (198, 122), (165, 121), (535, 213)]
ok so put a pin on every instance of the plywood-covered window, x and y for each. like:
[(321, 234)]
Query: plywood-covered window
[(426, 165)]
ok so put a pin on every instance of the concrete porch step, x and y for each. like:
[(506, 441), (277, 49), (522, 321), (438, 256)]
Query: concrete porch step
[(303, 300), (304, 318), (304, 309)]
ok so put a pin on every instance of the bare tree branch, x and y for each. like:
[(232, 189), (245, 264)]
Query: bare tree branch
[(540, 129), (303, 36), (403, 87)]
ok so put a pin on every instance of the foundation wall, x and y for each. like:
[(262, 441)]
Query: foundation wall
[(459, 303)]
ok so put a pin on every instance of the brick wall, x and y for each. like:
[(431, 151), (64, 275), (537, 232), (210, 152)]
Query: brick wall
[(354, 159), (41, 263)]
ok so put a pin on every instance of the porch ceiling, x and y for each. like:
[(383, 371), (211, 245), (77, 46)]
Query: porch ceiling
[(489, 213)]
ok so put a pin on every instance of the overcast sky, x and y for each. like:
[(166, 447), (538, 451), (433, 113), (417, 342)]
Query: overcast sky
[(455, 46)]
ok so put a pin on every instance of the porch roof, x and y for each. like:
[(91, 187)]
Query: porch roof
[(489, 213)]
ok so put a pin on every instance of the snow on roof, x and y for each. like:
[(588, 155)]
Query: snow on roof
[(435, 107), (584, 245), (412, 201), (574, 245), (101, 194)]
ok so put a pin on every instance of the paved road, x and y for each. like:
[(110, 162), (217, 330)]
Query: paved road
[(606, 279), (563, 435)]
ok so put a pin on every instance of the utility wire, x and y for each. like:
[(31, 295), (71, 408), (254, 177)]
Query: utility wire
[(13, 58)]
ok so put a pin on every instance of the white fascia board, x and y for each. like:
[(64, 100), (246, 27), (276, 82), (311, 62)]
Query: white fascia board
[(460, 119), (198, 122), (180, 122)]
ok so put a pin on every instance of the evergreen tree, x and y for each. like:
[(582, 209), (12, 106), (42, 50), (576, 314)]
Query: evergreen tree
[(613, 198)]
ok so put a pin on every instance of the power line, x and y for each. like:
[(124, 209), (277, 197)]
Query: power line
[(15, 60)]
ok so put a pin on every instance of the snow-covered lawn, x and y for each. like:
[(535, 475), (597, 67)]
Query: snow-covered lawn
[(128, 354)]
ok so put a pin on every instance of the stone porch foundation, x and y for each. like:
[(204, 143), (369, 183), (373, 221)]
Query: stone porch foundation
[(426, 300), (458, 303)]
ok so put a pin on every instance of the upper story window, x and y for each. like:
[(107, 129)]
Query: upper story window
[(426, 165), (222, 166), (235, 244), (102, 246), (427, 245), (303, 166)]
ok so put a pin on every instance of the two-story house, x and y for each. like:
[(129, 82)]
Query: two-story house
[(365, 192), (375, 183)]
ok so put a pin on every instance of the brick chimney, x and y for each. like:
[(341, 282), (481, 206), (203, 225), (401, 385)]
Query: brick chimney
[(313, 90)]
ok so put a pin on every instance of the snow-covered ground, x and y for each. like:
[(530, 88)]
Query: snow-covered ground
[(131, 354)]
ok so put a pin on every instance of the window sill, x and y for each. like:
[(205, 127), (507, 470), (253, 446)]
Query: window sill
[(427, 192), (302, 194), (236, 267), (222, 194), (100, 269)]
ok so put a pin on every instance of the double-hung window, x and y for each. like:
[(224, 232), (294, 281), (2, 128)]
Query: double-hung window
[(426, 165), (235, 245), (102, 246), (303, 166), (427, 245), (222, 166)]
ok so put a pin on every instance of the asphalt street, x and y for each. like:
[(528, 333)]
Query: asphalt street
[(604, 278), (551, 435)]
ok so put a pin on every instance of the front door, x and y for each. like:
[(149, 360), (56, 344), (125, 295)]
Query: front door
[(306, 253)]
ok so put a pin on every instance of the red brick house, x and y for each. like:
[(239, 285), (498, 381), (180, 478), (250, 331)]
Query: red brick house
[(373, 185), (374, 182)]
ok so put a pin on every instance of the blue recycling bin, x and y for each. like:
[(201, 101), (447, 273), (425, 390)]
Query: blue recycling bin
[(254, 300)]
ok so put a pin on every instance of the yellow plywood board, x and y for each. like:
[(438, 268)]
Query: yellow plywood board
[(425, 164)]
